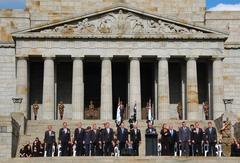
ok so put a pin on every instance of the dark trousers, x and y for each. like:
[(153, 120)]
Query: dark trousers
[(87, 149), (185, 148), (95, 151), (64, 149), (197, 148), (49, 150), (122, 146), (79, 149), (136, 149), (165, 148), (108, 149), (212, 149), (171, 149)]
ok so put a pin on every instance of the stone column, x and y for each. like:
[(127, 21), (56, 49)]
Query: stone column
[(135, 86), (218, 88), (192, 90), (77, 89), (22, 84), (163, 89), (106, 89), (48, 89)]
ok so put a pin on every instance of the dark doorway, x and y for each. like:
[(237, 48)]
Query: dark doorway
[(92, 82), (175, 85), (36, 83), (119, 84), (202, 76), (147, 85)]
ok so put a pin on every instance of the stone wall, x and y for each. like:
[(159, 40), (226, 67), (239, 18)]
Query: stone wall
[(8, 136), (7, 78), (45, 10), (11, 21)]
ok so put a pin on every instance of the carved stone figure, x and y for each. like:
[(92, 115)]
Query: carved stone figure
[(91, 112), (61, 109), (35, 108), (180, 111)]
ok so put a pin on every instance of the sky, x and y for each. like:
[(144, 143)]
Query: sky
[(213, 5)]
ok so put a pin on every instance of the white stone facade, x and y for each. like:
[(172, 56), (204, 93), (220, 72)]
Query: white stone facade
[(118, 29)]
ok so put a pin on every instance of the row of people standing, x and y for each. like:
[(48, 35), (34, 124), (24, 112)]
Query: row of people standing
[(93, 141), (191, 139)]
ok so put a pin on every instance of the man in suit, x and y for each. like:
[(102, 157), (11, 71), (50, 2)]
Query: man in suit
[(49, 140), (95, 138), (107, 137), (173, 139), (87, 141), (79, 139), (184, 138), (151, 129), (211, 139), (135, 139), (64, 139), (197, 140), (122, 137)]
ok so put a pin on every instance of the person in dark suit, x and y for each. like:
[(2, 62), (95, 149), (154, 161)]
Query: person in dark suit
[(184, 138), (79, 139), (211, 138), (36, 147), (95, 138), (64, 139), (122, 137), (135, 139), (165, 134), (49, 140), (87, 141), (173, 139), (151, 129), (107, 137), (197, 140)]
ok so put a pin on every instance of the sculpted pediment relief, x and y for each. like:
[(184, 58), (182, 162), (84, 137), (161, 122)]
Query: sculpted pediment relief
[(119, 22)]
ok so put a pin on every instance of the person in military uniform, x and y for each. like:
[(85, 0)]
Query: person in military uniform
[(36, 147), (35, 108), (206, 110), (64, 139), (135, 139), (79, 139), (61, 109), (180, 111), (49, 140)]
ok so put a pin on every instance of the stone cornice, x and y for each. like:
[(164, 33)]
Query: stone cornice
[(7, 45), (202, 36)]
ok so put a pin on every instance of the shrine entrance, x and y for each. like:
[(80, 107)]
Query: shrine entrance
[(92, 88)]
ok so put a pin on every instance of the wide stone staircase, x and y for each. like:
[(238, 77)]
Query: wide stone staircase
[(37, 128)]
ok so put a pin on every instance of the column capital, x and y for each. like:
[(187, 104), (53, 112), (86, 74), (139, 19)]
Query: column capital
[(77, 57), (188, 57), (217, 57), (135, 57), (22, 57), (163, 57), (106, 57)]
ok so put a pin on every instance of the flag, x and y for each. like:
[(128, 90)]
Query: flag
[(149, 111), (135, 112), (118, 116)]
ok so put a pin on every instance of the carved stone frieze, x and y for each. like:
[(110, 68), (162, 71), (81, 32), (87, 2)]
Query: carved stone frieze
[(121, 22)]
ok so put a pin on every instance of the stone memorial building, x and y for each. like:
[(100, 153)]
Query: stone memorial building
[(76, 51)]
